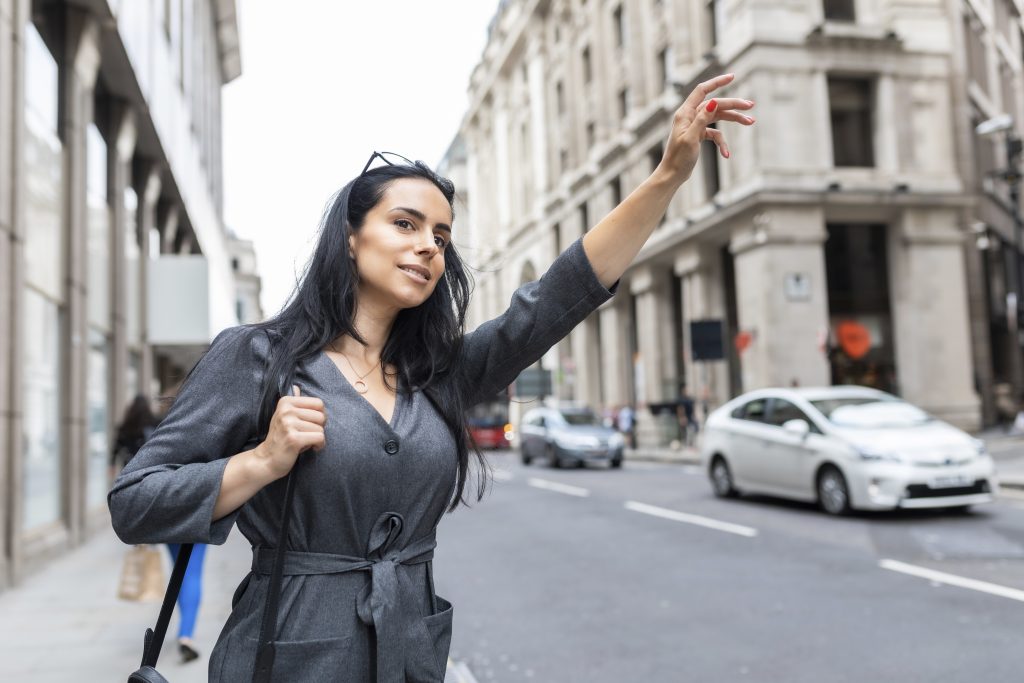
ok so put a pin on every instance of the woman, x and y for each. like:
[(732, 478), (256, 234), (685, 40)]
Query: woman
[(367, 366)]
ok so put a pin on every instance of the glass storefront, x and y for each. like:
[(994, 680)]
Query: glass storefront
[(42, 298), (99, 306), (98, 415), (41, 435)]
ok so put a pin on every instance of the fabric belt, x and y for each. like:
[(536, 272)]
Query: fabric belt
[(382, 604)]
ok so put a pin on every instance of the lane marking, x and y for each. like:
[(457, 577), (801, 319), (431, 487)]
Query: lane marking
[(558, 488), (502, 475), (676, 516), (953, 579)]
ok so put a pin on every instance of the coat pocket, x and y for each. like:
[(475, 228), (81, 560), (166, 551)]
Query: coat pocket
[(428, 660), (313, 661)]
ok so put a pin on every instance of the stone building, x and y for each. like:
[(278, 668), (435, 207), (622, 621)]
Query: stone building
[(247, 280), (115, 271), (854, 209)]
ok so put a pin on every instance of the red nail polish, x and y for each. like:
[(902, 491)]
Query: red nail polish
[(712, 105)]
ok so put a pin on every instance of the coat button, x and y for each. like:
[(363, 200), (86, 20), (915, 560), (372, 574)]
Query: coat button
[(391, 447)]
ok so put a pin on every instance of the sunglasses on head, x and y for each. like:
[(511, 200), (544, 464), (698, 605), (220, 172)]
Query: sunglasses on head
[(389, 158)]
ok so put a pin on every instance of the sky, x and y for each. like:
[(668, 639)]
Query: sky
[(325, 83)]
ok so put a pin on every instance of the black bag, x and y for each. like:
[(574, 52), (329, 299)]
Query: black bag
[(154, 639)]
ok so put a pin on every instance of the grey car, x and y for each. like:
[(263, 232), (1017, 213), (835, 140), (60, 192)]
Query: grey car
[(564, 436)]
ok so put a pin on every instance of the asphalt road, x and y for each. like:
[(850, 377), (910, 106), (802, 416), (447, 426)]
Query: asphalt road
[(640, 574)]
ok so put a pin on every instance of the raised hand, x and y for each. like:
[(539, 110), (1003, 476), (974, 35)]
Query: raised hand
[(690, 125)]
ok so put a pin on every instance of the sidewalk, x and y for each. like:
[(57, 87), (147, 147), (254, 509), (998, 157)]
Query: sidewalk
[(1006, 449), (66, 623)]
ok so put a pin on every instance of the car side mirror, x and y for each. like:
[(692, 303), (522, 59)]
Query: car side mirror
[(798, 427)]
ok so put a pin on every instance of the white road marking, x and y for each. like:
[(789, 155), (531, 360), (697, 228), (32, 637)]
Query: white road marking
[(665, 513), (558, 488), (953, 580), (502, 475)]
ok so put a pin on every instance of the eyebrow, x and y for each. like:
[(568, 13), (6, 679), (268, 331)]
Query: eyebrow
[(422, 216)]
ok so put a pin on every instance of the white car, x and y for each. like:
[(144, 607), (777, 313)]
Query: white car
[(844, 448)]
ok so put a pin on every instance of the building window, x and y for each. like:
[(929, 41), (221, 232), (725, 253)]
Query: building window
[(98, 416), (623, 103), (587, 69), (664, 55), (839, 10), (850, 101), (560, 97), (584, 218), (977, 55), (133, 269), (615, 189), (43, 310), (563, 159), (709, 163), (654, 157), (711, 22), (591, 134), (620, 26)]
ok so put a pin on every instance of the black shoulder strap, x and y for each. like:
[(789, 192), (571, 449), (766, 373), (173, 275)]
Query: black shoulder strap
[(268, 625), (155, 639)]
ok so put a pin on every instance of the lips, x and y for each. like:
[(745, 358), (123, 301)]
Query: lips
[(416, 270)]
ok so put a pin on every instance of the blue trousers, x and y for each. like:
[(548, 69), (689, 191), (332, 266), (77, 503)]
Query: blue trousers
[(191, 588)]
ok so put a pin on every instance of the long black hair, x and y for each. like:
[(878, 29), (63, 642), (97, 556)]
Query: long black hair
[(424, 342)]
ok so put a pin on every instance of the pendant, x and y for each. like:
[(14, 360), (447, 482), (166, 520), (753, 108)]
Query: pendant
[(360, 386)]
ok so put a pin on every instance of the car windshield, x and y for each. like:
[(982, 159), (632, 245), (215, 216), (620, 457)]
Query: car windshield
[(871, 412), (578, 418)]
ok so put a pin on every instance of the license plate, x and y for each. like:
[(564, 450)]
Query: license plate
[(950, 482)]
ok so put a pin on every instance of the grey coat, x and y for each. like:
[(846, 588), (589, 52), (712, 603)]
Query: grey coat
[(358, 601)]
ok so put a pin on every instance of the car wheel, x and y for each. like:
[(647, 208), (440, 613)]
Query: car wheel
[(552, 457), (615, 463), (721, 478), (833, 493), (526, 459)]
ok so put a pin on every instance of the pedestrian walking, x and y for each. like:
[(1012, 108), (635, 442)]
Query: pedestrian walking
[(136, 426), (686, 415), (627, 424), (356, 393)]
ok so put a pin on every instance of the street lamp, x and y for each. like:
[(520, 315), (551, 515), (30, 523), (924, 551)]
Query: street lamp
[(1003, 125)]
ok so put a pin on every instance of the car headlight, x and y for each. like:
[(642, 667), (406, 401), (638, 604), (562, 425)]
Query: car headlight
[(980, 449), (616, 440), (876, 455)]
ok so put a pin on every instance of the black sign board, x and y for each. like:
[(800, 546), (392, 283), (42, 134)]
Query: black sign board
[(707, 340)]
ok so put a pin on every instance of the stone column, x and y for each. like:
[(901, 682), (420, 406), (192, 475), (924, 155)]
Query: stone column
[(586, 356), (782, 297), (616, 365), (124, 135), (538, 121), (79, 69), (928, 292), (702, 300), (13, 18), (650, 296), (148, 185)]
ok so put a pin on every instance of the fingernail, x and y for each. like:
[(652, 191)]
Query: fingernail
[(712, 105), (725, 153)]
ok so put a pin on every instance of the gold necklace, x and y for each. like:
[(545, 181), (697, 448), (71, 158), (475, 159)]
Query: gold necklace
[(359, 384)]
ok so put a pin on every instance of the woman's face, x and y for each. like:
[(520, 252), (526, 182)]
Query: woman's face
[(399, 251)]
